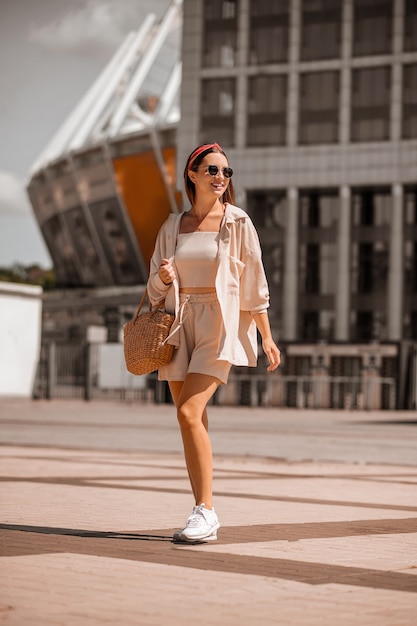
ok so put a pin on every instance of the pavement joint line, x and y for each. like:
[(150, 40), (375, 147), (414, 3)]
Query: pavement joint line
[(103, 483)]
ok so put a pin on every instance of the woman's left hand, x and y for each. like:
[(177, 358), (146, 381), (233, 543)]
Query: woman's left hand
[(272, 352)]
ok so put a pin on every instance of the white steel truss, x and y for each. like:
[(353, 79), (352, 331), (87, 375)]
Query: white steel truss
[(112, 106)]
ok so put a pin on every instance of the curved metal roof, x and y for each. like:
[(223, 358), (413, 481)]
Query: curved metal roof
[(137, 90)]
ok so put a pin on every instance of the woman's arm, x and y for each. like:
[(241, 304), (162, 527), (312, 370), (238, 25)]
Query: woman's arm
[(268, 344), (158, 282)]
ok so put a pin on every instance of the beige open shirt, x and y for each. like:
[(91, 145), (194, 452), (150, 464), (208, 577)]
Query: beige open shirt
[(241, 285)]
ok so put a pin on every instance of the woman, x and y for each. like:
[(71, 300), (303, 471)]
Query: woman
[(207, 266)]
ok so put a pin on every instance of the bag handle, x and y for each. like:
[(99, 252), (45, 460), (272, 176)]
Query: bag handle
[(140, 305)]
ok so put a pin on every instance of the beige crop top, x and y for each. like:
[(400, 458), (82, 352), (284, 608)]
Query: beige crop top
[(196, 259)]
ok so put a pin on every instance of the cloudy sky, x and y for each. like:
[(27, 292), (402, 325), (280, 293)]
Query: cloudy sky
[(50, 52)]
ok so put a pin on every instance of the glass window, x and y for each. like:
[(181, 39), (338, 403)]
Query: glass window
[(220, 33), (410, 266), (371, 207), (364, 326), (410, 25), (319, 107), (312, 273), (220, 9), (218, 111), (372, 27), (318, 223), (268, 38), (310, 326), (318, 214), (371, 218), (268, 212), (410, 263), (366, 209), (318, 209), (365, 274), (410, 204), (310, 210), (267, 99), (317, 275), (410, 102), (219, 48), (370, 109), (320, 29), (413, 325)]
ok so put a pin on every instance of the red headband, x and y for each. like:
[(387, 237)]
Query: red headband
[(201, 149)]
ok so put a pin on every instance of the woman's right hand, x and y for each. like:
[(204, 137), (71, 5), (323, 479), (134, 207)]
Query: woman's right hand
[(166, 271)]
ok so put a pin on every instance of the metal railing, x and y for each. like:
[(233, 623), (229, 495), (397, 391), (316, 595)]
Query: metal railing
[(316, 392), (97, 371)]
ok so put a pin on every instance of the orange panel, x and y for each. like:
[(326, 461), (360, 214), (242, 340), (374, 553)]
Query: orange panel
[(142, 188)]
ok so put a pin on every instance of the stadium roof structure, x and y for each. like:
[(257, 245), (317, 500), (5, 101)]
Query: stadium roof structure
[(138, 90), (107, 179)]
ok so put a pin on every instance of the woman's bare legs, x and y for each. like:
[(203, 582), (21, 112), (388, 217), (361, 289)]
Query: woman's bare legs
[(191, 397)]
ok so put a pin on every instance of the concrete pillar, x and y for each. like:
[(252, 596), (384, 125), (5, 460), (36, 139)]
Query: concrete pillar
[(395, 276), (397, 70), (290, 300), (342, 304), (293, 81), (345, 79), (241, 97)]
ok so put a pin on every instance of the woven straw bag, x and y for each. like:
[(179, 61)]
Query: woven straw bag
[(143, 339)]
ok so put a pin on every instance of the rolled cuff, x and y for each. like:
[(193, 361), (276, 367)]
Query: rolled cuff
[(157, 289), (257, 311)]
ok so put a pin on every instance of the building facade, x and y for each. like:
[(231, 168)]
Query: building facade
[(315, 104)]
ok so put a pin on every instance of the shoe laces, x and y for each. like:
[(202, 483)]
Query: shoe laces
[(196, 516)]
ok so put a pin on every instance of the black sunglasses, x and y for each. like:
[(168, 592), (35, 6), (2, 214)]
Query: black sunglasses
[(213, 170)]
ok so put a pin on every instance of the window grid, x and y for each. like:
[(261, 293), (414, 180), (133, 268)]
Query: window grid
[(218, 111), (220, 33), (321, 23), (372, 27), (268, 31), (267, 99), (410, 101), (410, 25), (319, 118), (371, 100), (319, 107)]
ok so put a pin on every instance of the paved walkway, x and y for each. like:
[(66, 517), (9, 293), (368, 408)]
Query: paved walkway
[(91, 494)]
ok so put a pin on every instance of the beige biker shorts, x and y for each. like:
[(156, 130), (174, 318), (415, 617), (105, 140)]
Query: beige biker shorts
[(200, 332)]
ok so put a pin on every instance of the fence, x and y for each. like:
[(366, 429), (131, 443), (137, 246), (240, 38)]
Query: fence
[(339, 392), (97, 371)]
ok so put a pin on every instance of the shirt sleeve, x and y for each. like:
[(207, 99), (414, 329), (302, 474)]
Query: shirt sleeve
[(254, 291), (157, 289)]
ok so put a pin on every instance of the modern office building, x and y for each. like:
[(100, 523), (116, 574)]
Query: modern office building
[(315, 103)]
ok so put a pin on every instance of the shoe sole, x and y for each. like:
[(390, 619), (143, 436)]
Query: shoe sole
[(195, 541), (178, 537), (211, 537)]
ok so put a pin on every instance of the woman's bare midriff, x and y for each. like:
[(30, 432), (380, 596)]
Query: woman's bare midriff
[(197, 290)]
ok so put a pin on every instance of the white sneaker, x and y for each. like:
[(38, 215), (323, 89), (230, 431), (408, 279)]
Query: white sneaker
[(202, 525)]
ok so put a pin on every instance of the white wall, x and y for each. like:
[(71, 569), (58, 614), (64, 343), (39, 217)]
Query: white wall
[(20, 337), (112, 373)]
